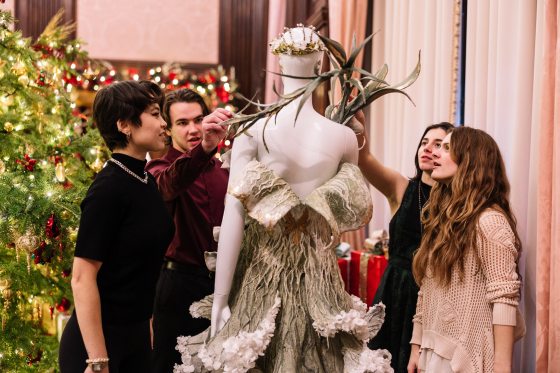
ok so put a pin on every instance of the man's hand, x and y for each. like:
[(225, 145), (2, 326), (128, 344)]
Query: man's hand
[(213, 131)]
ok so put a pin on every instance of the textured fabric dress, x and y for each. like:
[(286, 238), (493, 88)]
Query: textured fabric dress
[(398, 290), (289, 309)]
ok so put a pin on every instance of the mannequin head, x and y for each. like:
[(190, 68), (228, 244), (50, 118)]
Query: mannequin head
[(297, 41), (300, 52), (304, 65)]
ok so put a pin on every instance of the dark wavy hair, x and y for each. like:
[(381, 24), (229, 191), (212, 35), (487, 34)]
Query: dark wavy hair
[(124, 101), (446, 126)]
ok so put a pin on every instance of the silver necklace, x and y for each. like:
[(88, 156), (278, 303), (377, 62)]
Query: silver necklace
[(420, 205), (144, 180)]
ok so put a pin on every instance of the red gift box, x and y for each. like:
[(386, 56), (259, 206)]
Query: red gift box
[(344, 266), (365, 274)]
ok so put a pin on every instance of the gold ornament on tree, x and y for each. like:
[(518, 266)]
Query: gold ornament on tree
[(98, 164), (6, 294), (8, 127), (73, 234), (5, 286), (28, 243), (19, 68), (60, 172), (23, 79)]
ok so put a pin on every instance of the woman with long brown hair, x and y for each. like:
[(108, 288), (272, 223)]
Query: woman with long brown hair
[(466, 318), (406, 196)]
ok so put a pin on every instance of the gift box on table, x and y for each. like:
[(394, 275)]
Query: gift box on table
[(366, 270), (343, 254), (344, 266)]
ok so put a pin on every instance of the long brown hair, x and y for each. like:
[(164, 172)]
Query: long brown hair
[(451, 214)]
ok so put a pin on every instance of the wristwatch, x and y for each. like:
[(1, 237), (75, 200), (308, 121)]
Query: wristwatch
[(98, 364), (98, 367)]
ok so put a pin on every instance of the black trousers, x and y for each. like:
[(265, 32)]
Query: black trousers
[(128, 347), (176, 291)]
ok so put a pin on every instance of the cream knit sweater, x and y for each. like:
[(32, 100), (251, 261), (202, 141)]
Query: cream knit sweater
[(456, 321)]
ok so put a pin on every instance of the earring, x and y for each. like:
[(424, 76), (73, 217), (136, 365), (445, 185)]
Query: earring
[(128, 135)]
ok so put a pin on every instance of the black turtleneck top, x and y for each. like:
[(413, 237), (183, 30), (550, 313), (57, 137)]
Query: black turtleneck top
[(126, 226)]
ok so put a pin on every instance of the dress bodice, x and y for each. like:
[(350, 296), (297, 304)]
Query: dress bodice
[(343, 202)]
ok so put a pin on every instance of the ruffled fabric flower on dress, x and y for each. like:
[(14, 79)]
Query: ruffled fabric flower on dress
[(202, 308), (358, 321), (239, 353)]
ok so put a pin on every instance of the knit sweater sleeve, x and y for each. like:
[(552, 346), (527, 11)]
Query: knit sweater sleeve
[(417, 321), (498, 254)]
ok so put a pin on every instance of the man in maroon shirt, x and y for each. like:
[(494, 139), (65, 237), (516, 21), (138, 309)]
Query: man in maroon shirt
[(193, 186)]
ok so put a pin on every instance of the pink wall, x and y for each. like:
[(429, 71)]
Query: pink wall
[(9, 5), (150, 30)]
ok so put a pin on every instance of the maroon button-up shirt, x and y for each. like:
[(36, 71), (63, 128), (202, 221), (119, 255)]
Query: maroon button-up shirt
[(193, 186)]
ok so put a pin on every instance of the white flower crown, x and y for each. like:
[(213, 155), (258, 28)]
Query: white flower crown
[(298, 41)]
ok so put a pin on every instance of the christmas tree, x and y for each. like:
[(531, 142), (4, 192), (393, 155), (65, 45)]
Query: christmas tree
[(48, 156)]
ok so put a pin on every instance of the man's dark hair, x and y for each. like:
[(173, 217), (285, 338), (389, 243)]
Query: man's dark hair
[(182, 95), (124, 101)]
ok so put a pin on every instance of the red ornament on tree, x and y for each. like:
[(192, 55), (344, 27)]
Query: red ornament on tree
[(63, 305), (41, 79), (222, 94), (43, 254), (51, 229), (67, 184), (27, 162), (32, 359)]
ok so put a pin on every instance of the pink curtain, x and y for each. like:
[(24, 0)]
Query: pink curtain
[(347, 18), (548, 203), (276, 24)]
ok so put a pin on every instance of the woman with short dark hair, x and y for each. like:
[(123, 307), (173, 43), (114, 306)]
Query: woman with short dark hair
[(124, 231)]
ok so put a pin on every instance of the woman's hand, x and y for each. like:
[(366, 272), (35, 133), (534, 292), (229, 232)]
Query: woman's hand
[(413, 361), (220, 313)]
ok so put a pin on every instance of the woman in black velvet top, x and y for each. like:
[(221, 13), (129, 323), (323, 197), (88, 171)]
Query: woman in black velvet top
[(124, 231), (406, 197)]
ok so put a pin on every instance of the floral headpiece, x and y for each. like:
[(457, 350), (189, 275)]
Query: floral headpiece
[(298, 41)]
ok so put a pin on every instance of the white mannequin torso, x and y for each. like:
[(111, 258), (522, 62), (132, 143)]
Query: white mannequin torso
[(307, 152)]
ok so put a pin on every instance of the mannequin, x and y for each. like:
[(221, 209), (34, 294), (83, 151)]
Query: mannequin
[(305, 155), (279, 216)]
